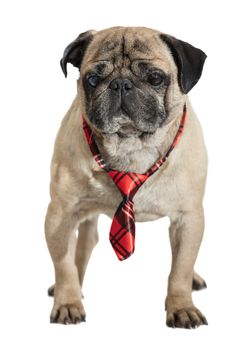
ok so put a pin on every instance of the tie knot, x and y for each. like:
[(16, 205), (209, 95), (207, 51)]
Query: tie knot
[(127, 183)]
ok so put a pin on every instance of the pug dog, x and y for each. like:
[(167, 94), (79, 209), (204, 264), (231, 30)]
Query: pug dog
[(132, 90)]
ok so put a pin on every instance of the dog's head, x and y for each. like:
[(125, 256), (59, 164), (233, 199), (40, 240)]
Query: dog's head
[(131, 78)]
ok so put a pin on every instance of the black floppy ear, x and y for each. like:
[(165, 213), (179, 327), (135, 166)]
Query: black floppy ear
[(189, 61), (75, 51)]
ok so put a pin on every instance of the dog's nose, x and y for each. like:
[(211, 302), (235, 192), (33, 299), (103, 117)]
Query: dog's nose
[(122, 85)]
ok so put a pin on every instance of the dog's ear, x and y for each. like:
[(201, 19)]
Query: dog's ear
[(189, 61), (75, 51)]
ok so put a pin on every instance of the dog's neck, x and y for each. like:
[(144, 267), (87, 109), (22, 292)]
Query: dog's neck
[(138, 154)]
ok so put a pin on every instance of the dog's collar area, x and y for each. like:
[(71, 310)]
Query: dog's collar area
[(122, 232)]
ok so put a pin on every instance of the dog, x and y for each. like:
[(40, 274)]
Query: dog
[(132, 93)]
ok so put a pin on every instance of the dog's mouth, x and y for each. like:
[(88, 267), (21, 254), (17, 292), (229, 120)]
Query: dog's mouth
[(128, 130), (125, 127)]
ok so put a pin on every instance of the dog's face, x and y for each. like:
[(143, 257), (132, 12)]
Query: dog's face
[(130, 77)]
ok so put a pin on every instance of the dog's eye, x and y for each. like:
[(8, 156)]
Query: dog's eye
[(93, 80), (155, 79)]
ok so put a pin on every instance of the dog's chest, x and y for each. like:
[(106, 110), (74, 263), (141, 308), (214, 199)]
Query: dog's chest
[(152, 201)]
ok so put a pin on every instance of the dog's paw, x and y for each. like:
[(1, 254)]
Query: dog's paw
[(198, 282), (68, 313), (188, 318)]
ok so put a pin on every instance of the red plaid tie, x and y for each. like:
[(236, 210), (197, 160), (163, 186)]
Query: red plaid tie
[(122, 232)]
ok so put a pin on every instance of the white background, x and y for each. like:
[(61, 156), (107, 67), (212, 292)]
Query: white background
[(124, 301)]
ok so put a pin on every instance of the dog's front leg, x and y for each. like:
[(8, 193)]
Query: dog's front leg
[(87, 239), (186, 231), (60, 226)]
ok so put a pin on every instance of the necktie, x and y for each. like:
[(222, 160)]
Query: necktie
[(122, 231)]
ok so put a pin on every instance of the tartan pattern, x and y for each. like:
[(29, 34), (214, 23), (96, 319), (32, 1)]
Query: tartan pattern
[(122, 231)]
